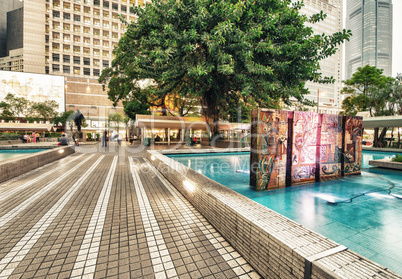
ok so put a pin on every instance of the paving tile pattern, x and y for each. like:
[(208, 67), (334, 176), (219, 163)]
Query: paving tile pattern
[(107, 219)]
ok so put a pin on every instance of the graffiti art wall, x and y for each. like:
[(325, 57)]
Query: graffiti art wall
[(290, 148)]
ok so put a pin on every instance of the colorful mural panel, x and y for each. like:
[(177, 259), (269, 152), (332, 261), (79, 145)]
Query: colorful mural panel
[(270, 160), (330, 146), (353, 144), (290, 148), (305, 125)]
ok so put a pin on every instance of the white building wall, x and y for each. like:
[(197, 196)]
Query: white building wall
[(327, 96)]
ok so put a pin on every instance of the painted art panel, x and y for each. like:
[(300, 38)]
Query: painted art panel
[(330, 146), (270, 149), (305, 127), (291, 148), (33, 87), (353, 144)]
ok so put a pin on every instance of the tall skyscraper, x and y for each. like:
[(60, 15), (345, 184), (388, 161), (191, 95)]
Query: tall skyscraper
[(327, 96), (67, 37), (6, 6), (371, 43)]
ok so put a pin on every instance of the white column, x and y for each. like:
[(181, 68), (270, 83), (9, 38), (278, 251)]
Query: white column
[(168, 136)]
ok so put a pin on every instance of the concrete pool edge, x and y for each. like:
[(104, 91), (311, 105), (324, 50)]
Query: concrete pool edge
[(273, 244), (14, 167), (386, 163)]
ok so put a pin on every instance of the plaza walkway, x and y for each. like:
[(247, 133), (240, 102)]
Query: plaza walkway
[(106, 213)]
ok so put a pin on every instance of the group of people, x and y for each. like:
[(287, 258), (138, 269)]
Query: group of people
[(26, 138)]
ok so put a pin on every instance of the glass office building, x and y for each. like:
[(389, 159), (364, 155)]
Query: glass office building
[(371, 43)]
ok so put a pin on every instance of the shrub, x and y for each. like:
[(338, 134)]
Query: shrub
[(10, 136), (53, 135), (397, 158)]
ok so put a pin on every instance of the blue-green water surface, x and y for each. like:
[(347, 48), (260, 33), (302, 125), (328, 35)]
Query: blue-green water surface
[(12, 153), (368, 219)]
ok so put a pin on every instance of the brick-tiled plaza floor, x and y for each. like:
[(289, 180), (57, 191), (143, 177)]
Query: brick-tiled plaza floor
[(106, 213)]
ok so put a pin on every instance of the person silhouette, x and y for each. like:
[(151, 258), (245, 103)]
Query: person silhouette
[(78, 117)]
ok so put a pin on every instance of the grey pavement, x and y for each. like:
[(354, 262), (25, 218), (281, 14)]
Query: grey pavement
[(107, 213)]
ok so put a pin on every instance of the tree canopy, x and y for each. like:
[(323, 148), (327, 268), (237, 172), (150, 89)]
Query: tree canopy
[(219, 51), (18, 107), (372, 91)]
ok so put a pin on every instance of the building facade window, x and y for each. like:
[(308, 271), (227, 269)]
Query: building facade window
[(56, 57), (66, 58), (66, 69)]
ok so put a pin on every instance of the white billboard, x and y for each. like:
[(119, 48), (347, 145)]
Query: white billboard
[(33, 87)]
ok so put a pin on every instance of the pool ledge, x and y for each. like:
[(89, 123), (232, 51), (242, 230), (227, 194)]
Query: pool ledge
[(14, 167), (274, 245), (386, 163)]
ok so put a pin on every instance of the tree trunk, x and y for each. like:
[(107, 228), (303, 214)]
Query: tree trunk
[(399, 138), (375, 141), (211, 111), (381, 142), (392, 137)]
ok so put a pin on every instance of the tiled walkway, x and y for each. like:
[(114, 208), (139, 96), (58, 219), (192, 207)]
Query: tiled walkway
[(107, 214)]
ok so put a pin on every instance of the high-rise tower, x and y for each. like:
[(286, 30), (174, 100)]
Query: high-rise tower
[(66, 37), (371, 41), (327, 96), (6, 6)]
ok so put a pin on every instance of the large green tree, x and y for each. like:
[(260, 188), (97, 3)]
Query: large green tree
[(134, 107), (371, 91), (13, 107), (364, 78), (212, 49), (64, 117), (46, 110)]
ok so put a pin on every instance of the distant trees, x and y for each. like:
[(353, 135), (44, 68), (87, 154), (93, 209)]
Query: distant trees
[(371, 91), (14, 107), (64, 117), (115, 119)]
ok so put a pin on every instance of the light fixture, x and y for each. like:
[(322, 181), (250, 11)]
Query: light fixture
[(61, 151)]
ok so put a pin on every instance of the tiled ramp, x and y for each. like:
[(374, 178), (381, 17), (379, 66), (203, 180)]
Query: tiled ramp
[(104, 216)]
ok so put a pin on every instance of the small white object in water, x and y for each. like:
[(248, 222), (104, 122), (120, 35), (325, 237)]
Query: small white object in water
[(242, 171)]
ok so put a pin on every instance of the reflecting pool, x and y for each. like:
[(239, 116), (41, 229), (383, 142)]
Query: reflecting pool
[(12, 153), (362, 212)]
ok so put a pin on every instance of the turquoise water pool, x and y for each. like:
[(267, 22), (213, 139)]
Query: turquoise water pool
[(367, 217), (9, 154)]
